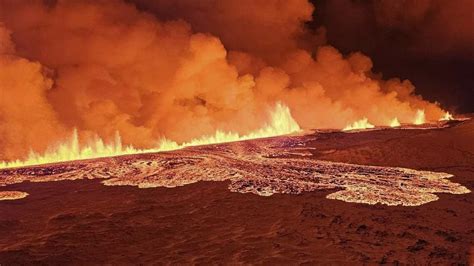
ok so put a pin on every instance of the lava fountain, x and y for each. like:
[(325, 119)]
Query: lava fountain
[(281, 123)]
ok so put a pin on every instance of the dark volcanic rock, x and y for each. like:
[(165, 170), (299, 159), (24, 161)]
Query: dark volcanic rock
[(85, 222)]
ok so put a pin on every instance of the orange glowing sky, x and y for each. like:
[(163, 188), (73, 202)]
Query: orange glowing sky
[(103, 67)]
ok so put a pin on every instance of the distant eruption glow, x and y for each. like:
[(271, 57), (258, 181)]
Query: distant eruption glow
[(447, 116), (394, 123), (360, 124), (420, 117), (281, 123)]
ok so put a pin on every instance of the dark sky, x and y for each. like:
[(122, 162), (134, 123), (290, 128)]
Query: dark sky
[(427, 42)]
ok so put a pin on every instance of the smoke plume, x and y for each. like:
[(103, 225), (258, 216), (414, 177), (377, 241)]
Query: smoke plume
[(178, 69)]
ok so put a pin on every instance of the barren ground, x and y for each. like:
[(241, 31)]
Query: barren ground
[(83, 221)]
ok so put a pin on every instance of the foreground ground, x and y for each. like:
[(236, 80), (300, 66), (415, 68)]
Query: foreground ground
[(84, 221)]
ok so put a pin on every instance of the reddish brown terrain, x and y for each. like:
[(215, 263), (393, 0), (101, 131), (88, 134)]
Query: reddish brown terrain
[(311, 216)]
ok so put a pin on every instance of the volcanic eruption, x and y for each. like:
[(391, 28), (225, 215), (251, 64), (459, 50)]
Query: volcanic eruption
[(159, 93), (102, 67)]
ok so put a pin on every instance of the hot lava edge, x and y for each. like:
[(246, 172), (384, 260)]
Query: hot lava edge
[(285, 164)]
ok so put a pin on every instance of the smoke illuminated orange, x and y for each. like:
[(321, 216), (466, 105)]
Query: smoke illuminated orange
[(150, 78)]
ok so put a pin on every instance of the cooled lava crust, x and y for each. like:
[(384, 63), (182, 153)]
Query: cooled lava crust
[(394, 191)]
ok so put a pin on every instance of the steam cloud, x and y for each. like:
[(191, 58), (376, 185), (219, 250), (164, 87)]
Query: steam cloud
[(180, 70)]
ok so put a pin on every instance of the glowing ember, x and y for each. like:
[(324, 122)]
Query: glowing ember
[(263, 167), (420, 117), (12, 195), (360, 124), (447, 116), (394, 123), (281, 123)]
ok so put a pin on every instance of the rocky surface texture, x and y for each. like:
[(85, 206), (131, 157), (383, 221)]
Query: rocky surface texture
[(82, 221), (263, 167)]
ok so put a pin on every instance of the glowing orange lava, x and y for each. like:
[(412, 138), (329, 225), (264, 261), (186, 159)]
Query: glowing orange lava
[(447, 116), (420, 117), (281, 123), (394, 122), (360, 124)]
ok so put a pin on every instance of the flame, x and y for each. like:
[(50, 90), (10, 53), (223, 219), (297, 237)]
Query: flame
[(394, 122), (420, 117), (281, 123), (447, 116), (360, 124)]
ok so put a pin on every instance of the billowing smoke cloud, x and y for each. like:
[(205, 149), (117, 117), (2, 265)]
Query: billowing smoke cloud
[(267, 28), (183, 72), (26, 116)]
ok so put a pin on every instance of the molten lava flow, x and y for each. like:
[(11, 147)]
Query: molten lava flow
[(420, 117), (447, 116), (360, 124), (281, 123), (263, 167), (394, 123)]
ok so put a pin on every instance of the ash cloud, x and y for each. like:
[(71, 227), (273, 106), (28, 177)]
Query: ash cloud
[(178, 69)]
